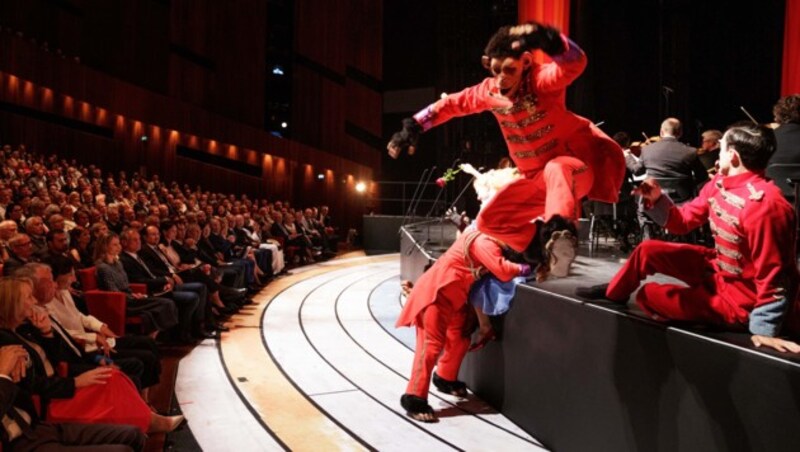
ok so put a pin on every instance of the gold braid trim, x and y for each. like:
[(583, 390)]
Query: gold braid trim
[(733, 238), (730, 198), (538, 133), (524, 122), (729, 268), (526, 102), (724, 216), (727, 252), (547, 147)]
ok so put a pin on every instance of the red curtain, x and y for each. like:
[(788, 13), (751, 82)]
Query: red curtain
[(791, 49), (550, 12)]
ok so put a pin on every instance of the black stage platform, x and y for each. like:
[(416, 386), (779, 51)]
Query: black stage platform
[(584, 376)]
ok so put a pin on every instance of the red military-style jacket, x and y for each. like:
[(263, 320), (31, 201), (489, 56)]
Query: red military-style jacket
[(450, 278), (538, 126), (754, 236)]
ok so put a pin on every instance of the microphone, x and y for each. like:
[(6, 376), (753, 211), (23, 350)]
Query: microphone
[(667, 89)]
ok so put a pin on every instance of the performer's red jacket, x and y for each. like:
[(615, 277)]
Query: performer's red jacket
[(450, 278), (538, 126), (754, 236)]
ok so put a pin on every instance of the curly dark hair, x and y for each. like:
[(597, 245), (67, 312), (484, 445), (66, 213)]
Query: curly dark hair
[(500, 45), (787, 109)]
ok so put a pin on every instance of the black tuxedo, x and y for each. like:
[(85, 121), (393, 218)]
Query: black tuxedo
[(153, 260), (36, 380), (138, 273), (670, 158)]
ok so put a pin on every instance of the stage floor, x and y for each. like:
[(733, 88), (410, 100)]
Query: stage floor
[(316, 363)]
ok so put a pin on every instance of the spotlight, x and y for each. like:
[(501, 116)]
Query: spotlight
[(277, 70), (361, 187), (320, 176), (284, 124), (144, 138)]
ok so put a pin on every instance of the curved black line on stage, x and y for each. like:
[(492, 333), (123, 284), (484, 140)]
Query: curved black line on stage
[(291, 381), (303, 329), (244, 400)]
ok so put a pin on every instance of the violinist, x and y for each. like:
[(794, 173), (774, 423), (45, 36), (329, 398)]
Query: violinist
[(708, 152)]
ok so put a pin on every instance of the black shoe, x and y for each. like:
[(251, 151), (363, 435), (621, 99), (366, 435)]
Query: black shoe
[(219, 327), (597, 292), (456, 388), (417, 408)]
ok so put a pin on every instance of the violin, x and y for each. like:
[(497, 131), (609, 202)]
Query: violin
[(637, 146)]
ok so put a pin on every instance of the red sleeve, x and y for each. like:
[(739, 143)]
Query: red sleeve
[(562, 71), (474, 99), (691, 215), (486, 252)]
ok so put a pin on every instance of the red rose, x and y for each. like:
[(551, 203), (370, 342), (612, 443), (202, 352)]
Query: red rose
[(441, 182)]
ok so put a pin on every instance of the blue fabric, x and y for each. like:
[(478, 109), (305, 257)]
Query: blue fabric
[(492, 296)]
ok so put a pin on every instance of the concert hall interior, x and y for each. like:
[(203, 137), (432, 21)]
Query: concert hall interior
[(561, 225)]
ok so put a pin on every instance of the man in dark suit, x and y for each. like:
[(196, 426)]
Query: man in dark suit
[(188, 301), (23, 431), (669, 158), (787, 135), (665, 159)]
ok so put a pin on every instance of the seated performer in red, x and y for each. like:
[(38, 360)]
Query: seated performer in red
[(562, 156), (749, 280), (438, 307)]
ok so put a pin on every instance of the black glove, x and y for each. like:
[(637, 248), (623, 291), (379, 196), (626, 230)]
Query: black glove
[(542, 37), (405, 139)]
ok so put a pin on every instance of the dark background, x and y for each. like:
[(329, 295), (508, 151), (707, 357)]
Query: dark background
[(342, 59), (714, 56)]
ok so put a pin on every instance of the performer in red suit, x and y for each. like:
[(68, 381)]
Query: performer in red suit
[(749, 280), (438, 307), (563, 156)]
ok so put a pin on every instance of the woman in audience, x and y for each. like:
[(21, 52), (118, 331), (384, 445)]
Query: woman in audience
[(158, 314), (95, 335), (101, 395), (79, 239)]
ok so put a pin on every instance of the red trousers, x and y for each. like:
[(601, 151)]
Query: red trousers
[(439, 331), (554, 190), (564, 181), (704, 300)]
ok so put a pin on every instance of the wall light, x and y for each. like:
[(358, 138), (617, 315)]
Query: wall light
[(361, 187), (320, 176)]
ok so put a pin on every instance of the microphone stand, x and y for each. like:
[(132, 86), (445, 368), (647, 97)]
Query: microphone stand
[(413, 198), (441, 190), (422, 192)]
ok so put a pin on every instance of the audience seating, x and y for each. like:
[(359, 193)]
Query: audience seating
[(109, 307)]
